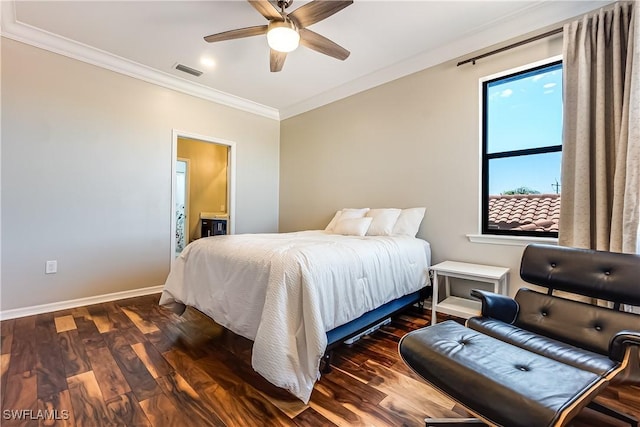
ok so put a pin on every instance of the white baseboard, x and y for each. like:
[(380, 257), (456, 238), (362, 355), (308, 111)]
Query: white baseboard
[(64, 305)]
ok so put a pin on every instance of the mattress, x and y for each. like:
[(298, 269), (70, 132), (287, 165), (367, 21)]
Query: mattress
[(285, 291)]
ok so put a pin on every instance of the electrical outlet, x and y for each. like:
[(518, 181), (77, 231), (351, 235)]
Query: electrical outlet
[(51, 267), (221, 208)]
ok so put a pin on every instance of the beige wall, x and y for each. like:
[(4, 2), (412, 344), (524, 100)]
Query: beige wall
[(207, 179), (86, 175), (410, 142)]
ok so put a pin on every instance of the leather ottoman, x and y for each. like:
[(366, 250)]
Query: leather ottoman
[(506, 384)]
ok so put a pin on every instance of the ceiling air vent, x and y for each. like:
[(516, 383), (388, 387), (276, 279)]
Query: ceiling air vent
[(189, 70)]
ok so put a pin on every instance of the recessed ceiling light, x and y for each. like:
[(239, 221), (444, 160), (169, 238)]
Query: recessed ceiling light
[(207, 62)]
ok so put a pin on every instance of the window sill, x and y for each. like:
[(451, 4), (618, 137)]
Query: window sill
[(510, 240)]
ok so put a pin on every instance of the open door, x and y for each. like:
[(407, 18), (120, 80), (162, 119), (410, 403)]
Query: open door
[(182, 204)]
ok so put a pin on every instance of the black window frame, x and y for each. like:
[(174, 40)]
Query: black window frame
[(486, 157)]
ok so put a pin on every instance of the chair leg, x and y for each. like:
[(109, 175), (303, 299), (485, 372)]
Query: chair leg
[(633, 421), (452, 422)]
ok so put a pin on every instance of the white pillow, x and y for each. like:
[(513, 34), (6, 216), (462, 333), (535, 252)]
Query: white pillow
[(408, 222), (345, 214), (383, 221), (333, 222), (353, 226)]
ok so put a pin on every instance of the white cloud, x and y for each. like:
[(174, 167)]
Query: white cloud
[(547, 92), (549, 85), (506, 93), (537, 77)]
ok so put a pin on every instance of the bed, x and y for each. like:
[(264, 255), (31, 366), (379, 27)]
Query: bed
[(293, 294)]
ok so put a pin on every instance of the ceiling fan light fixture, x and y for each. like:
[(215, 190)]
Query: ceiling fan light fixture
[(283, 36)]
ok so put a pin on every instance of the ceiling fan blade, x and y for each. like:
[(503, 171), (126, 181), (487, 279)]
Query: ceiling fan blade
[(237, 34), (316, 11), (277, 60), (322, 44), (266, 9)]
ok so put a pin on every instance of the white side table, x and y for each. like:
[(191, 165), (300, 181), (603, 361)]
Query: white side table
[(464, 307)]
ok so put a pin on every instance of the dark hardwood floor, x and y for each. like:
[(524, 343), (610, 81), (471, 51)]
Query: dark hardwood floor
[(133, 363)]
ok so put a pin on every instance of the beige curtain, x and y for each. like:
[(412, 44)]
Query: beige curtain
[(632, 205), (600, 203)]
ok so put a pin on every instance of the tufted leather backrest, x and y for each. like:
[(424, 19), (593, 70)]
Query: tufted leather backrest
[(582, 325), (597, 274)]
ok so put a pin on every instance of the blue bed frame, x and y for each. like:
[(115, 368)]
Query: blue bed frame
[(338, 335)]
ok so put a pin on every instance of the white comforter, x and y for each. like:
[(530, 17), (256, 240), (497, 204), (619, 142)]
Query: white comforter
[(284, 291)]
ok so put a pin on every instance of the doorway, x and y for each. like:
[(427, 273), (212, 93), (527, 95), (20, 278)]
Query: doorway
[(203, 190)]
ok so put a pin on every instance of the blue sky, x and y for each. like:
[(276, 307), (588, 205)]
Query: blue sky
[(525, 112)]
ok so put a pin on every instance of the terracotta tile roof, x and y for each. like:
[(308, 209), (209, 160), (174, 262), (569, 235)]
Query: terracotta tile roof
[(526, 212)]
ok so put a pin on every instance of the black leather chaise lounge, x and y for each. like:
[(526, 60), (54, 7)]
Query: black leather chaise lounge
[(539, 359)]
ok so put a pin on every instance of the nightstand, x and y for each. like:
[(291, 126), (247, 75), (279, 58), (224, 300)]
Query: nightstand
[(458, 306)]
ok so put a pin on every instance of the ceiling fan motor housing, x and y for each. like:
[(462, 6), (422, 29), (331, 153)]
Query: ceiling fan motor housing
[(283, 4)]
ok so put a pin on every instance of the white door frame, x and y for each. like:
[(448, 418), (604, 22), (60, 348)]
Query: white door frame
[(231, 179)]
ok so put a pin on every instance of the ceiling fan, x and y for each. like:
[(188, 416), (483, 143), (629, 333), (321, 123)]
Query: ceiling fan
[(286, 30)]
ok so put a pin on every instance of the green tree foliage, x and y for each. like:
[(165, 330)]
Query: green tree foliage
[(519, 190)]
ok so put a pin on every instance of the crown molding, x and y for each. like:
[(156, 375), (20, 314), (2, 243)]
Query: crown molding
[(13, 29), (528, 19)]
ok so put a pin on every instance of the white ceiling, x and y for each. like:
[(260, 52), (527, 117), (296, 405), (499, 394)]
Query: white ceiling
[(387, 39)]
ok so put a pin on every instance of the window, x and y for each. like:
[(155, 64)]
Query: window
[(522, 151)]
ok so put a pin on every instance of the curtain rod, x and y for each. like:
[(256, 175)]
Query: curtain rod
[(511, 46)]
